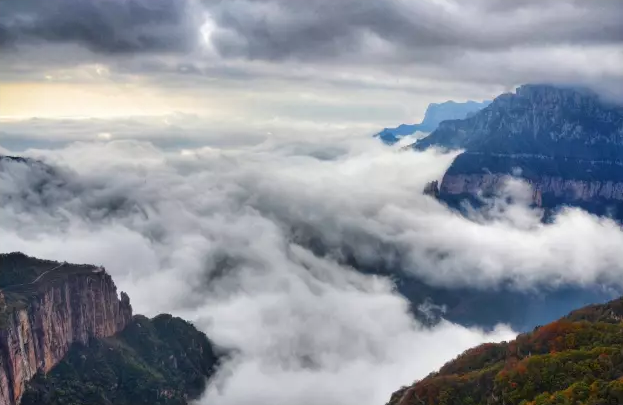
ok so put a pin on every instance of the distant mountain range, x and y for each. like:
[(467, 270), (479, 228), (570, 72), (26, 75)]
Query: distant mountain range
[(575, 360), (567, 143), (435, 113)]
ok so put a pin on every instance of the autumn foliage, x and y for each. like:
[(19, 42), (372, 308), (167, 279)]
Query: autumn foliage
[(577, 360)]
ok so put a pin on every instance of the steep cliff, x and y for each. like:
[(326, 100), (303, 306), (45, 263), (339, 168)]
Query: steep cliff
[(567, 143), (575, 360), (159, 361), (45, 307)]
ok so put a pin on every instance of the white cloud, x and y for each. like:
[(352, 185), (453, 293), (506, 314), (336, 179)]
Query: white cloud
[(222, 236)]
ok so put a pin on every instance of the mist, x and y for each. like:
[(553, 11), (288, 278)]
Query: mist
[(226, 237)]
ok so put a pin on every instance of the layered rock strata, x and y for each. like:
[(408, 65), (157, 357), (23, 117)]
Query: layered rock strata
[(42, 318)]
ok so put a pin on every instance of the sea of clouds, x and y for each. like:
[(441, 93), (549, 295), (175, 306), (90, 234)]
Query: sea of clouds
[(224, 237)]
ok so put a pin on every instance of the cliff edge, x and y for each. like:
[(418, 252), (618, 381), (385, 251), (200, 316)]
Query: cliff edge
[(160, 361), (566, 143), (45, 307)]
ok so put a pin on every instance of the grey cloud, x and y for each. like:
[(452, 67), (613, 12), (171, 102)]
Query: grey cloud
[(276, 29), (393, 49), (317, 29), (120, 26)]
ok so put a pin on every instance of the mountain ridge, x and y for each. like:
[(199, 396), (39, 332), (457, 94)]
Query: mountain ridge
[(577, 358), (532, 120), (566, 143), (435, 113)]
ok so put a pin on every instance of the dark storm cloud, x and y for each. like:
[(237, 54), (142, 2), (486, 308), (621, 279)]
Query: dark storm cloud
[(314, 29), (107, 26), (318, 53), (277, 29)]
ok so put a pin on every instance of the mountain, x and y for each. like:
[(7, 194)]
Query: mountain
[(435, 113), (575, 360), (44, 308), (567, 143), (159, 361), (64, 325)]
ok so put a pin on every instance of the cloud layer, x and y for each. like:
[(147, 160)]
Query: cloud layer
[(426, 30), (373, 63), (275, 29), (225, 237)]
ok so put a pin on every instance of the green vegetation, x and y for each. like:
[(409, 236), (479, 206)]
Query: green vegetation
[(17, 268), (21, 274), (577, 360), (162, 361)]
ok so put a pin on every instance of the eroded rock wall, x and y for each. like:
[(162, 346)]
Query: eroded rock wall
[(36, 336)]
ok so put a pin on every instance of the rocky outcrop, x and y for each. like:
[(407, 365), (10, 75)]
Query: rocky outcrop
[(432, 189), (160, 361), (568, 189), (435, 113), (41, 319), (566, 143), (540, 120)]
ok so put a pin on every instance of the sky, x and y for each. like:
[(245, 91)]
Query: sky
[(274, 67), (195, 148)]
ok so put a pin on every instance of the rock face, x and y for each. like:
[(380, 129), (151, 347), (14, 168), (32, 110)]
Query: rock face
[(42, 317), (435, 113), (160, 361), (567, 143), (432, 189), (559, 187)]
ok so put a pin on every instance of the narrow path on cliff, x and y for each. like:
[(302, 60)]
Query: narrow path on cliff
[(46, 272), (35, 280)]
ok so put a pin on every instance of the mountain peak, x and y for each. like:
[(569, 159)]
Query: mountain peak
[(534, 89), (567, 143), (540, 120), (435, 113), (438, 112)]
